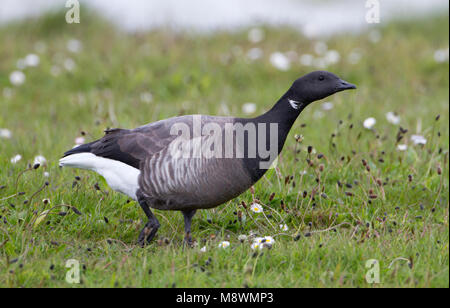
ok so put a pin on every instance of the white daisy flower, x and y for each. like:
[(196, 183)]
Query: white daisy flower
[(374, 36), (255, 54), (327, 106), (418, 139), (69, 64), (79, 140), (306, 59), (55, 70), (74, 46), (320, 48), (320, 63), (17, 78), (7, 92), (402, 147), (332, 57), (16, 158), (261, 242), (146, 97), (20, 64), (255, 35), (441, 55), (284, 227), (280, 61), (369, 123), (224, 244), (354, 57), (5, 133), (318, 114), (256, 208), (249, 108), (40, 160), (40, 47), (242, 237), (32, 60), (392, 118), (257, 246)]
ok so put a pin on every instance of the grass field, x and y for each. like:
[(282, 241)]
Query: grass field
[(339, 213)]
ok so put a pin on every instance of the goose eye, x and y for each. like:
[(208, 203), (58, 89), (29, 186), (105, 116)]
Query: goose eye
[(321, 78)]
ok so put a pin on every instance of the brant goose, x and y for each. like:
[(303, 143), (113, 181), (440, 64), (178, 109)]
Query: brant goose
[(196, 162)]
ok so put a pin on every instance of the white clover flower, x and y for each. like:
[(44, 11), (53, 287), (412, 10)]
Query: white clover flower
[(203, 249), (40, 160), (16, 158), (392, 118), (418, 139), (441, 55), (32, 60), (402, 147), (256, 208), (17, 78), (74, 46), (327, 106), (146, 97), (280, 61), (5, 133), (224, 244), (306, 59), (79, 140), (332, 57), (255, 54), (69, 64), (369, 123), (320, 48), (284, 227), (255, 35), (242, 237), (249, 108)]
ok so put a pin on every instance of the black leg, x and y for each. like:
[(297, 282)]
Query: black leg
[(151, 227), (187, 225)]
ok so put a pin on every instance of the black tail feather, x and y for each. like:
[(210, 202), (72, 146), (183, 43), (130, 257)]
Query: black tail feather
[(84, 148)]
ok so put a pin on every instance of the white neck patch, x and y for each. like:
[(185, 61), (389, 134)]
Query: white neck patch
[(294, 104)]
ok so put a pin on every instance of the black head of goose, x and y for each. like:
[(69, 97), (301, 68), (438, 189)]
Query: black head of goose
[(197, 162)]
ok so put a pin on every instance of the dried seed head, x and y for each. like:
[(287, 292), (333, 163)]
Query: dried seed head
[(272, 195), (321, 167)]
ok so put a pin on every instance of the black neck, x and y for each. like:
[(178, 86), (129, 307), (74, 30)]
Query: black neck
[(284, 115)]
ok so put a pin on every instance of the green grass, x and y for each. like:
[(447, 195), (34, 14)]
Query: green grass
[(191, 73)]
